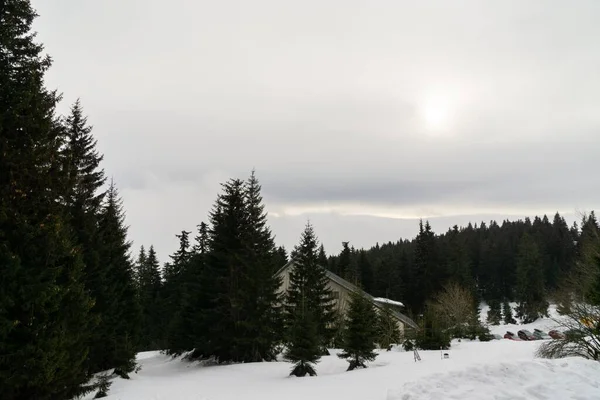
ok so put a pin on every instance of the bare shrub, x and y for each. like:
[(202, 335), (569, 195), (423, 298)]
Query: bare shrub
[(582, 334)]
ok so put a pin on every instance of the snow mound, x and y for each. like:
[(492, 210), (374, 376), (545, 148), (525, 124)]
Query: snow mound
[(569, 378)]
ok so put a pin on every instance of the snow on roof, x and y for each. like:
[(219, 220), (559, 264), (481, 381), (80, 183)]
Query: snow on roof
[(388, 301)]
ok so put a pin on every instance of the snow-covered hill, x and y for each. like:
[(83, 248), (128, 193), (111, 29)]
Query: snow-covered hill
[(501, 369), (544, 324)]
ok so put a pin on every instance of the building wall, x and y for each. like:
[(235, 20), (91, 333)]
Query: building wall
[(341, 294)]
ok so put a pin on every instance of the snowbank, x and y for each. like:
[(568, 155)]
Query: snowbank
[(481, 368), (542, 380)]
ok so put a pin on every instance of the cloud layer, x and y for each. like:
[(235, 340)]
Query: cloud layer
[(389, 108)]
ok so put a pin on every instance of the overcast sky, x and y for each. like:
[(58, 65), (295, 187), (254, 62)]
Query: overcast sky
[(361, 115)]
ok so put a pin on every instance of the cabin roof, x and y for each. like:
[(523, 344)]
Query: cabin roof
[(378, 302)]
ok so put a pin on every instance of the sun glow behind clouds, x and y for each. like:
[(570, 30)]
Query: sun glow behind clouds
[(437, 112)]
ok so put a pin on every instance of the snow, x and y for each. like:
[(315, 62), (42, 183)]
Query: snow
[(499, 369), (544, 324), (388, 301), (567, 379)]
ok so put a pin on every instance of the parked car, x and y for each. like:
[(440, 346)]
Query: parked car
[(524, 334), (496, 336), (540, 334), (554, 334), (511, 336), (574, 333)]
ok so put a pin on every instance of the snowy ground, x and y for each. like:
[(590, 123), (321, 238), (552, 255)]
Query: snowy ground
[(499, 370)]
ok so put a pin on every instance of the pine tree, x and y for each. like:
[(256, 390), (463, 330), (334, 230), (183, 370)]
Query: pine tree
[(223, 276), (426, 275), (44, 317), (388, 332), (149, 288), (361, 332), (121, 315), (530, 284), (304, 345), (261, 319), (507, 313), (308, 288), (323, 261), (83, 202), (494, 314), (173, 293), (281, 258), (191, 300), (140, 264), (365, 270), (343, 262)]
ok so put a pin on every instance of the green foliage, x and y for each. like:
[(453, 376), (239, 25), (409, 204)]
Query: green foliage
[(365, 272), (431, 334), (507, 313), (530, 282), (44, 309), (120, 325), (360, 333), (309, 287), (149, 288), (494, 314), (304, 344), (103, 385), (232, 312)]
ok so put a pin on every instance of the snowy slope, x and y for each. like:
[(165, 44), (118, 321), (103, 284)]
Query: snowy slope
[(473, 371), (544, 324)]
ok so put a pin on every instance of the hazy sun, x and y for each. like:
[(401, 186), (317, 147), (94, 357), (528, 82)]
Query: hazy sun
[(435, 111)]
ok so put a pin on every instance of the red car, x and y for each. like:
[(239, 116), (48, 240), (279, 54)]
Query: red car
[(554, 334), (511, 336)]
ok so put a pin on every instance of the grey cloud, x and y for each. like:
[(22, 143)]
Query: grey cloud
[(325, 100)]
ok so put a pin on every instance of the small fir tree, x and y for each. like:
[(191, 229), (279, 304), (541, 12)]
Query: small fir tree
[(304, 344), (494, 314), (361, 332), (507, 313)]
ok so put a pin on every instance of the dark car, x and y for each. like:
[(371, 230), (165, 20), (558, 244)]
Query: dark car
[(511, 336), (540, 334), (524, 334), (554, 334), (575, 333)]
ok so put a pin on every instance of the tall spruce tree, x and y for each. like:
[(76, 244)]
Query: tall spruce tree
[(426, 275), (260, 321), (149, 288), (281, 258), (360, 333), (44, 310), (191, 296), (323, 260), (140, 263), (309, 289), (121, 315), (223, 276), (83, 202), (173, 293), (530, 285), (343, 261), (365, 270)]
